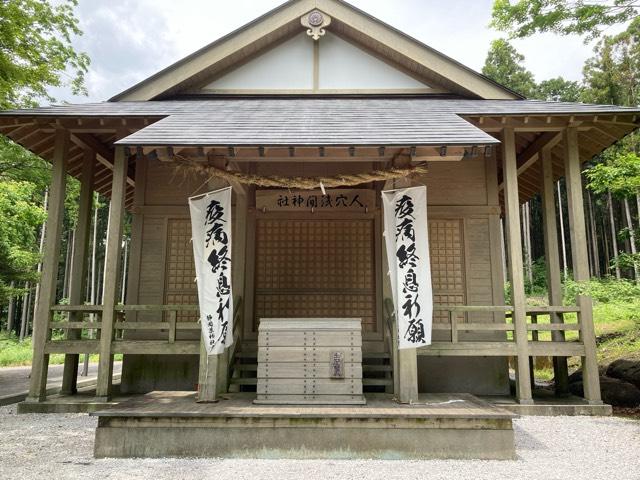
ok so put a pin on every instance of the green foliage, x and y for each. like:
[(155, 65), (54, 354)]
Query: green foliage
[(607, 290), (36, 51), (19, 164), (618, 174), (539, 273), (626, 260), (524, 18), (505, 66), (14, 353), (21, 217), (558, 90), (611, 75)]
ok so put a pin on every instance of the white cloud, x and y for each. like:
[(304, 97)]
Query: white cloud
[(129, 40)]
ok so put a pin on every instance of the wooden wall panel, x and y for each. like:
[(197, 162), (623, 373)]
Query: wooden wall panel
[(456, 183), (479, 271), (168, 186), (152, 264)]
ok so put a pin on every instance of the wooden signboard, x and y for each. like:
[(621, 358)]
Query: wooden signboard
[(334, 200)]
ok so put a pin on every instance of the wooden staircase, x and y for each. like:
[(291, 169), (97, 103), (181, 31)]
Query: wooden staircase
[(377, 371)]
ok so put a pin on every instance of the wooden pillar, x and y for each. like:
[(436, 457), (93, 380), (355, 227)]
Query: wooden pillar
[(111, 273), (578, 233), (48, 281), (79, 265), (408, 372), (554, 275), (207, 376), (515, 267)]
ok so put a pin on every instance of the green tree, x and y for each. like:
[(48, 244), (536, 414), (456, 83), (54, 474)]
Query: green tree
[(612, 75), (505, 65), (36, 54), (559, 90), (618, 174), (21, 217), (36, 51), (524, 18)]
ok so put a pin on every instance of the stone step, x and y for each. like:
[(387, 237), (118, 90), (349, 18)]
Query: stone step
[(378, 382)]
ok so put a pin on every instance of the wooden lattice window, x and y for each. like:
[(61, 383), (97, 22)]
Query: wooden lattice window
[(447, 264), (180, 287), (316, 268)]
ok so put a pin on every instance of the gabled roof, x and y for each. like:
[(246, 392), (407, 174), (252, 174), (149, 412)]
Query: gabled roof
[(348, 22)]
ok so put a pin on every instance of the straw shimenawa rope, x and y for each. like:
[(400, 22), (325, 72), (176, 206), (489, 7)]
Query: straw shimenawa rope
[(302, 183)]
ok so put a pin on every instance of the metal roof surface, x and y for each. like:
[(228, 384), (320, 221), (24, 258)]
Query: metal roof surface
[(314, 121)]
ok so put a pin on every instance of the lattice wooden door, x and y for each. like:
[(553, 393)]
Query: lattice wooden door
[(315, 268)]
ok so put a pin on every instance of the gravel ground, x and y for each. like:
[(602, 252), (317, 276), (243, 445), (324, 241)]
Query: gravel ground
[(60, 447)]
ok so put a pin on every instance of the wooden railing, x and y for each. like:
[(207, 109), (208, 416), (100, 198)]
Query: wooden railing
[(172, 345), (505, 346)]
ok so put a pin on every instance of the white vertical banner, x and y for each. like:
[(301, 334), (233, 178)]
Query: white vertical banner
[(211, 238), (407, 244)]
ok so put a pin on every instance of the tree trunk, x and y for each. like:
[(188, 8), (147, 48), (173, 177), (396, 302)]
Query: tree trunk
[(123, 290), (30, 313), (92, 298), (529, 248), (67, 265), (504, 251), (614, 235), (11, 309), (24, 318), (594, 237), (563, 243), (41, 247), (607, 249), (632, 239)]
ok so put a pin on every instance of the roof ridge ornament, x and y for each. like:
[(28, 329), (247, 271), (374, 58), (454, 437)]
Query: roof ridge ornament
[(316, 22)]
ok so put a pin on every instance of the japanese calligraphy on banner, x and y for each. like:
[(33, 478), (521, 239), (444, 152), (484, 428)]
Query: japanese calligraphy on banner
[(344, 200), (407, 245), (211, 237)]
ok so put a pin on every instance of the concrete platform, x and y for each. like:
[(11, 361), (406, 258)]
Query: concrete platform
[(83, 402), (172, 424), (550, 406)]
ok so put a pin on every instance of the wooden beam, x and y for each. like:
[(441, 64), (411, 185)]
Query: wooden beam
[(531, 154), (112, 273), (552, 258), (105, 155), (79, 266), (580, 264), (515, 267), (48, 281)]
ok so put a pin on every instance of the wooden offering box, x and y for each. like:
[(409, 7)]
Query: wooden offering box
[(313, 361)]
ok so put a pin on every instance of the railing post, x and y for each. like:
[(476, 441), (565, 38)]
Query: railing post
[(79, 268), (532, 360), (516, 270), (111, 276), (173, 316), (580, 264), (552, 254), (48, 281), (453, 320)]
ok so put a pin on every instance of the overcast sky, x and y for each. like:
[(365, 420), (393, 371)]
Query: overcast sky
[(128, 40)]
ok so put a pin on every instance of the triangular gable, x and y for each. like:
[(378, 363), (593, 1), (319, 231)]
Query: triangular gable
[(394, 62), (304, 65)]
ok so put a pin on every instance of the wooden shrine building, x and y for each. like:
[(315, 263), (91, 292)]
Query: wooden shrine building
[(315, 88)]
